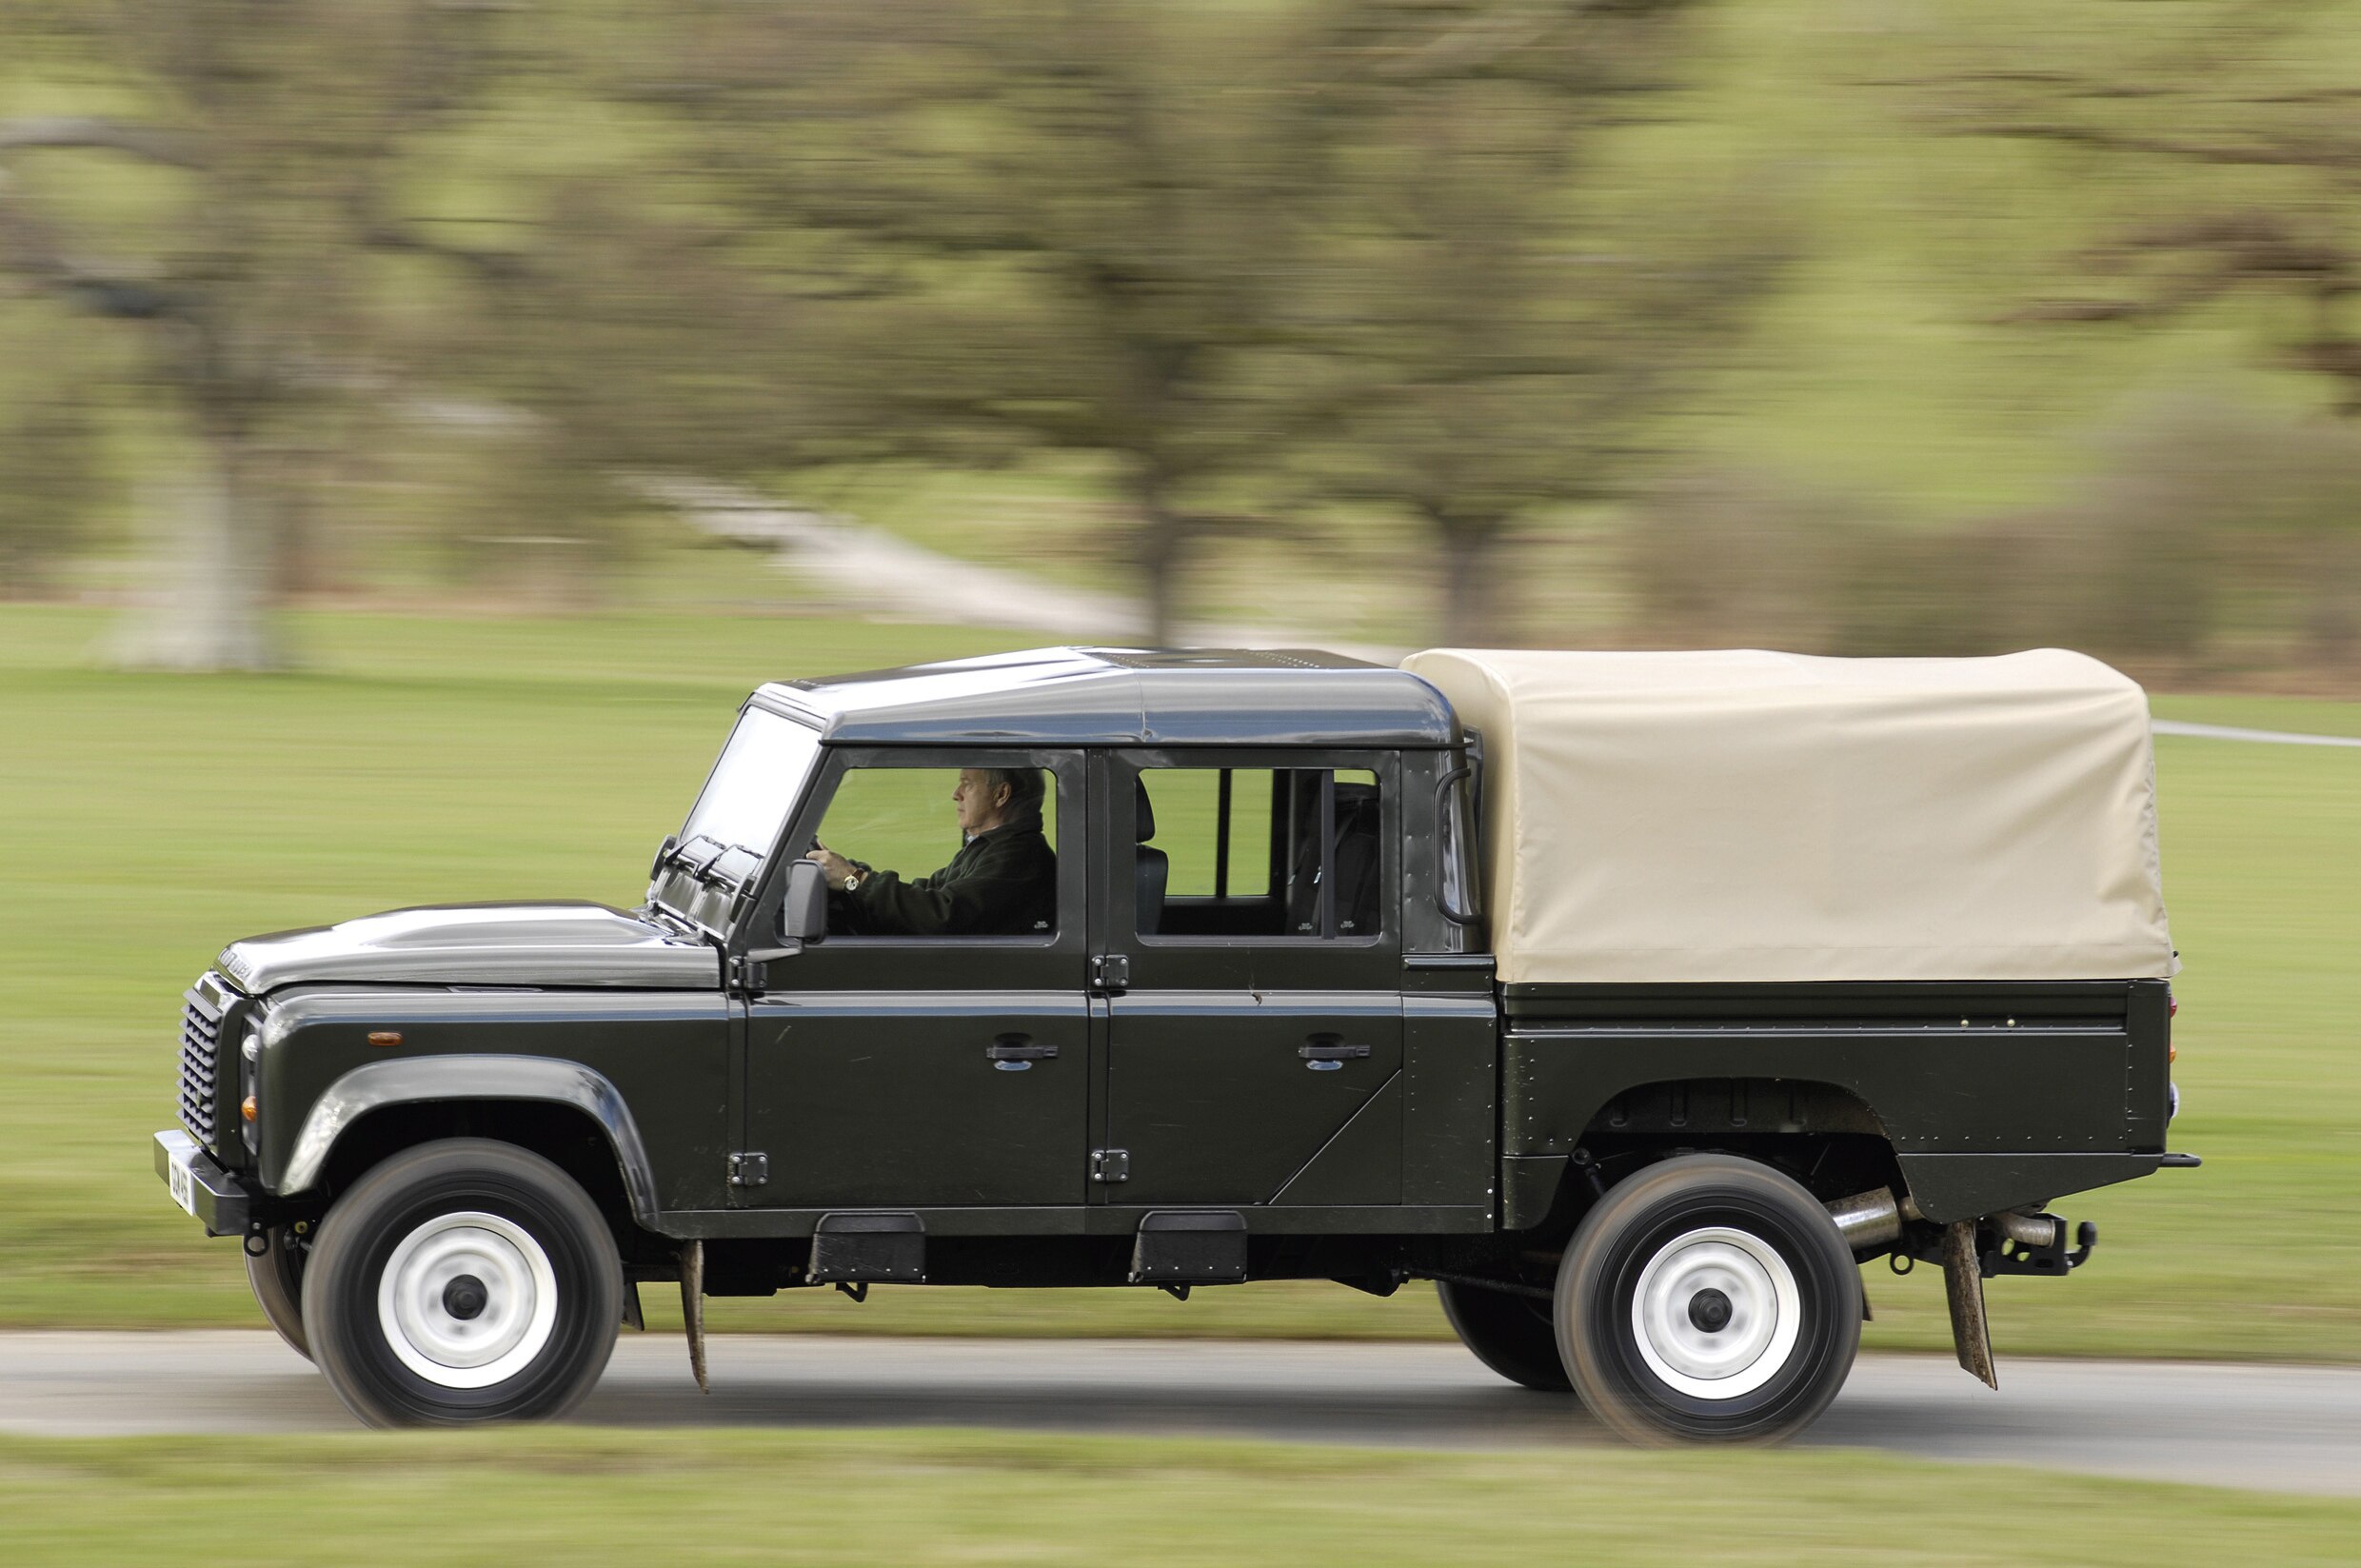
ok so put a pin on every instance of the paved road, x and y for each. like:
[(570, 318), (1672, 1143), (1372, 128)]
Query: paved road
[(2276, 1428)]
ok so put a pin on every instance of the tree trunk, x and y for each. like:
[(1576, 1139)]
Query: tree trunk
[(1159, 546), (1472, 599), (215, 614), (293, 516)]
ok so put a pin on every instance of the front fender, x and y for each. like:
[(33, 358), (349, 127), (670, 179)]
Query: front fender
[(422, 1080)]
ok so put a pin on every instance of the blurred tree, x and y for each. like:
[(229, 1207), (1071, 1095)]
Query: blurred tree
[(50, 486), (1509, 311), (378, 216), (1075, 223), (2219, 146), (635, 336), (288, 129), (2220, 149)]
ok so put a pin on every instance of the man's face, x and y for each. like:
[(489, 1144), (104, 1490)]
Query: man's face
[(979, 804)]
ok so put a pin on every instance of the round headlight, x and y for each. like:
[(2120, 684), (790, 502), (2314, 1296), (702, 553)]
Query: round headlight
[(252, 1047)]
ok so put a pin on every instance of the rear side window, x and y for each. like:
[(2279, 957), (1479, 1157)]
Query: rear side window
[(1291, 853)]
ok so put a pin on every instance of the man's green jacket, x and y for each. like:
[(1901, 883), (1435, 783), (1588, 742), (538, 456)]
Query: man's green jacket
[(1003, 882)]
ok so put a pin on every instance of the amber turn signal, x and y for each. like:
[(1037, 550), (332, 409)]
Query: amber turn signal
[(246, 1107), (384, 1037)]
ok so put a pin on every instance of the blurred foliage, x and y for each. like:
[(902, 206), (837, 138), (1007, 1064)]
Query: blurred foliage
[(2198, 522), (53, 458), (1504, 309), (1311, 290)]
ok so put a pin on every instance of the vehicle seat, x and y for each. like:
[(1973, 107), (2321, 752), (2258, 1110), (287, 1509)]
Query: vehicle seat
[(1353, 858), (1154, 870)]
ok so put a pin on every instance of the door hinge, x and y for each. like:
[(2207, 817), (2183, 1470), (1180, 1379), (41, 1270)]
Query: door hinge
[(1111, 971), (1110, 1166), (748, 1170), (746, 974)]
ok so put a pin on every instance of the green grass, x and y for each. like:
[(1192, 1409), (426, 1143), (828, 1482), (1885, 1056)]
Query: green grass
[(145, 819), (967, 1498), (2299, 715)]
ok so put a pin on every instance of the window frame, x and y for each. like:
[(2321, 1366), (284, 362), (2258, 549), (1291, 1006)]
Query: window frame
[(1382, 765), (1066, 766)]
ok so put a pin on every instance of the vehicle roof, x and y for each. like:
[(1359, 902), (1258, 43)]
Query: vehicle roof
[(1080, 696)]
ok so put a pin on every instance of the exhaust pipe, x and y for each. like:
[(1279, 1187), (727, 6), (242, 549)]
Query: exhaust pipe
[(1868, 1221), (2030, 1230), (1875, 1219)]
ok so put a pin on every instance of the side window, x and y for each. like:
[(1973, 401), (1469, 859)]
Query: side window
[(1291, 852), (942, 852)]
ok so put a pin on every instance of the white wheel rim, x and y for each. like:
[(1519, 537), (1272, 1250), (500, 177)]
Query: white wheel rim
[(422, 1296), (1675, 1302)]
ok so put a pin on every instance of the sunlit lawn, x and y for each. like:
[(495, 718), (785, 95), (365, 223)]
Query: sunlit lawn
[(145, 819)]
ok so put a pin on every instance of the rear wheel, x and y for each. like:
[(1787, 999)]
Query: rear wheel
[(463, 1281), (277, 1278), (1514, 1335), (1708, 1299)]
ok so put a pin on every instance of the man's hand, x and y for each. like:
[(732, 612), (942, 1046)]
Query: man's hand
[(833, 866)]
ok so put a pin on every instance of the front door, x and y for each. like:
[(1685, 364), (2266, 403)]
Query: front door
[(1255, 1049), (935, 1050)]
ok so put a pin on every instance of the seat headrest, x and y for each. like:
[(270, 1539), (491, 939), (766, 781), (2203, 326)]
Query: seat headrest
[(1143, 813)]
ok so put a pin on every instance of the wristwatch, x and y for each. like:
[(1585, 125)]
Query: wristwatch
[(852, 879)]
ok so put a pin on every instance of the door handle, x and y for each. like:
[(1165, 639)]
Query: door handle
[(1328, 1053), (1017, 1053)]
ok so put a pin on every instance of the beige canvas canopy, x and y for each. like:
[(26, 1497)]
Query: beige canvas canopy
[(1748, 815)]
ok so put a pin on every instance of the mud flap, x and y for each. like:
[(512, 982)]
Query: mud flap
[(693, 1308), (1963, 1286)]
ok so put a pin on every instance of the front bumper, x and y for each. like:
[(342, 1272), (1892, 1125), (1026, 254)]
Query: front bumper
[(218, 1200)]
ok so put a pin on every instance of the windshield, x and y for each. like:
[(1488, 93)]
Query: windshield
[(755, 783)]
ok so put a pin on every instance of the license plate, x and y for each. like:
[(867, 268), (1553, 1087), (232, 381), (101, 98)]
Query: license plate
[(184, 1185)]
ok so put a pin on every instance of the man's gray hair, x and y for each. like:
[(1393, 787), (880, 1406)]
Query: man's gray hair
[(1025, 788)]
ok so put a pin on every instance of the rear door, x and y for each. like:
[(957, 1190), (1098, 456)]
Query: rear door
[(1247, 934)]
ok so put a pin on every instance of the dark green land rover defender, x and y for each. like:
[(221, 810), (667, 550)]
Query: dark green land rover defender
[(1634, 999)]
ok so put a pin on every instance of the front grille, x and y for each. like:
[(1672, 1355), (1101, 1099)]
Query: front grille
[(200, 1064)]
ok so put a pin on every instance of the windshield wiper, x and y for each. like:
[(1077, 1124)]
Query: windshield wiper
[(675, 851), (708, 869)]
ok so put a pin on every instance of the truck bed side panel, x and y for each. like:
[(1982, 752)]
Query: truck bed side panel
[(1991, 1094)]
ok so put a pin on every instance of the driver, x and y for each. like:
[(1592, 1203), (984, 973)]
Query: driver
[(1003, 882)]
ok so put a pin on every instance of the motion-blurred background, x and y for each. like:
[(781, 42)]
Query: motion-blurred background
[(1850, 327), (488, 394)]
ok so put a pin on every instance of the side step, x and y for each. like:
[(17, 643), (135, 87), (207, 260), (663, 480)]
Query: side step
[(1190, 1247), (861, 1247)]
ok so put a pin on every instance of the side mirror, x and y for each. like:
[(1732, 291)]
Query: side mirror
[(804, 913)]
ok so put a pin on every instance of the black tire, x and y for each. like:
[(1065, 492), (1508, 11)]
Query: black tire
[(277, 1278), (459, 1249), (1766, 1267), (1516, 1336)]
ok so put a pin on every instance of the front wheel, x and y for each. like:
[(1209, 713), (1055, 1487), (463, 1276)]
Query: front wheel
[(1708, 1299), (463, 1281)]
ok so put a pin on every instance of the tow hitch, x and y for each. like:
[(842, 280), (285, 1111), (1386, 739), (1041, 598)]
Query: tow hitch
[(2024, 1249), (1972, 1251)]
